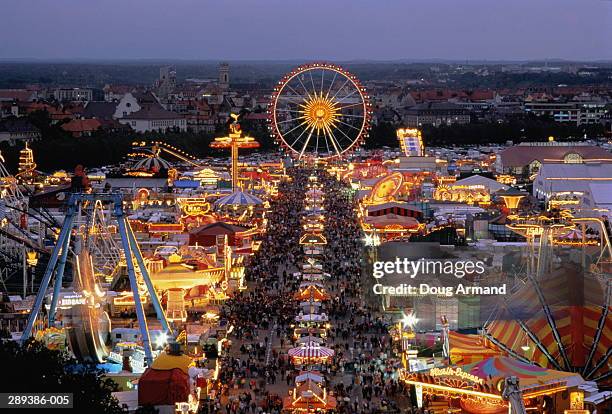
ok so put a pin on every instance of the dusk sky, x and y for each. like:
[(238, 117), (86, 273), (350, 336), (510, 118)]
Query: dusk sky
[(315, 29)]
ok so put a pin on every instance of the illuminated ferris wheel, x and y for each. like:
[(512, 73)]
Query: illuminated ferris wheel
[(319, 110)]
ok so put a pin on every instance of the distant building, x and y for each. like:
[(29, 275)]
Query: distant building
[(127, 105), (18, 129), (17, 95), (436, 114), (599, 197), (579, 110), (100, 110), (224, 76), (77, 94), (115, 92), (166, 82), (527, 157), (81, 127), (154, 118), (557, 181)]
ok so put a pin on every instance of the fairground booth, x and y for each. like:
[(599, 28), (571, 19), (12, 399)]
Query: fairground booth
[(479, 387)]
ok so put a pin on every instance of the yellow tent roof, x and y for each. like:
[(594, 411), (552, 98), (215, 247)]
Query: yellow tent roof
[(166, 362)]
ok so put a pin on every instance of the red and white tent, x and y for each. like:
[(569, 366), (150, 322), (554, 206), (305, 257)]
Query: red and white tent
[(311, 352)]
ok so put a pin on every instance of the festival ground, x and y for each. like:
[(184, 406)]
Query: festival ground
[(256, 368)]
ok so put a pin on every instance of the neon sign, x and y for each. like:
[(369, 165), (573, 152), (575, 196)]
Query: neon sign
[(455, 372), (194, 206)]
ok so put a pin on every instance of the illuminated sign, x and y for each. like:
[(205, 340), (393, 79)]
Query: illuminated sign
[(194, 206), (411, 142), (576, 401), (385, 189), (310, 238), (419, 395), (71, 299), (456, 373)]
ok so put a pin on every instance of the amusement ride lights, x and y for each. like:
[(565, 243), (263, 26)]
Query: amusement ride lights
[(319, 109)]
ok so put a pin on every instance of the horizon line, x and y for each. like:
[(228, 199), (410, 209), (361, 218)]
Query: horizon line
[(293, 60)]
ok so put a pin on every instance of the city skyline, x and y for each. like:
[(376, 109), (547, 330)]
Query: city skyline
[(273, 30)]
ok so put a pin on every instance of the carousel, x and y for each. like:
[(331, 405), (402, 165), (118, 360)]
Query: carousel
[(310, 354), (240, 207)]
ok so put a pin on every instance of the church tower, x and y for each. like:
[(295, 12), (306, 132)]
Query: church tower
[(224, 76)]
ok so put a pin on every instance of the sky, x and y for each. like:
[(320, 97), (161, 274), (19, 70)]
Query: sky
[(314, 29)]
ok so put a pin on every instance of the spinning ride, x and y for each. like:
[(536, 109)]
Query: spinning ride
[(319, 110)]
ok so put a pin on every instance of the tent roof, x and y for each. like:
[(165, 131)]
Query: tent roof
[(217, 228), (239, 198)]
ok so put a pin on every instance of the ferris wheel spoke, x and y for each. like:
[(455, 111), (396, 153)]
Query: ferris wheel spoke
[(305, 90), (350, 116), (349, 105), (333, 140), (327, 143), (331, 85), (322, 78), (299, 136), (314, 88), (294, 91), (292, 98), (349, 125), (291, 120), (288, 110), (306, 142), (293, 129), (342, 87), (352, 93), (350, 140)]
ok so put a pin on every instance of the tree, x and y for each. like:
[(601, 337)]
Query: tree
[(35, 368), (382, 135)]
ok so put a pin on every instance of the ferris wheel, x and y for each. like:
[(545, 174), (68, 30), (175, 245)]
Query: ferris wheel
[(319, 110)]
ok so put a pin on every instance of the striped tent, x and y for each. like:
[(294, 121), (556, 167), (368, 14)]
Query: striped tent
[(152, 162), (465, 349), (238, 198), (313, 277), (310, 306), (310, 354), (309, 375), (309, 340), (312, 317), (310, 251), (574, 330)]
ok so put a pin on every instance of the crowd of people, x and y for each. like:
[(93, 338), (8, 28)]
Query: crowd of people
[(256, 371)]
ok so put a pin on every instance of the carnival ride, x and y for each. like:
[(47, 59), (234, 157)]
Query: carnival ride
[(558, 315), (234, 141), (87, 325), (20, 245), (319, 110), (150, 155)]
